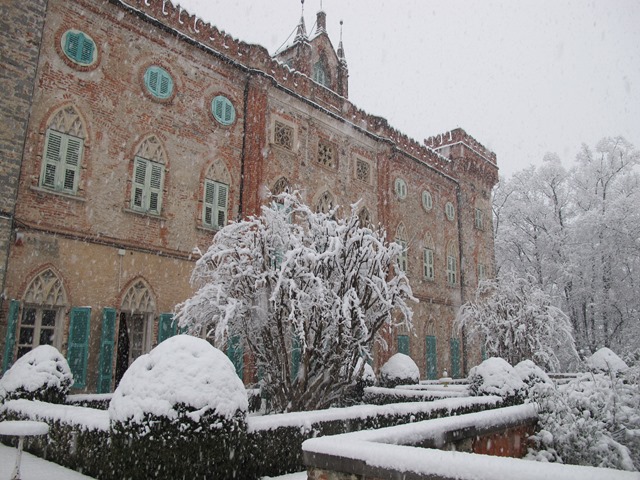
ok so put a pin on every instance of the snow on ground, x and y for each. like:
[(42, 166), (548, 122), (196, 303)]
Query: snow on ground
[(85, 418), (289, 476), (34, 468)]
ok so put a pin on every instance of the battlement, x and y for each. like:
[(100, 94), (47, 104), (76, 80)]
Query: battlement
[(459, 136)]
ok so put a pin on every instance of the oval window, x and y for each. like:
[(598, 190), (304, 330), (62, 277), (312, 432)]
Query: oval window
[(401, 188), (79, 47), (223, 110), (158, 82), (427, 201), (450, 211)]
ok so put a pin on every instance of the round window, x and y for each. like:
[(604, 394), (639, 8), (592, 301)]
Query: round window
[(427, 201), (450, 211), (223, 110), (158, 82), (401, 188), (79, 47)]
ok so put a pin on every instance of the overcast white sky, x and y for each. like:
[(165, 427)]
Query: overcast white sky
[(523, 77)]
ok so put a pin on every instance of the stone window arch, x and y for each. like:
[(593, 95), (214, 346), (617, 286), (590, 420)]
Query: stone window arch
[(428, 255), (452, 263), (135, 330), (325, 203), (148, 176), (364, 217), (281, 186), (63, 151), (44, 303)]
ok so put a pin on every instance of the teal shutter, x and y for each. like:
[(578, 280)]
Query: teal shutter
[(10, 339), (106, 350), (455, 358), (236, 354), (78, 347), (432, 358), (223, 110), (222, 205), (158, 82), (483, 352), (166, 327), (296, 354), (403, 344)]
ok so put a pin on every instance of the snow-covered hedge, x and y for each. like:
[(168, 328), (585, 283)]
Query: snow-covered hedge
[(179, 410), (604, 360), (400, 369), (41, 374), (495, 376)]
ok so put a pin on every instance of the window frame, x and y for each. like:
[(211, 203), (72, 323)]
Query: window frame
[(156, 92), (226, 105), (216, 208), (320, 74), (427, 205), (400, 188), (450, 211), (79, 57), (146, 189), (452, 269), (428, 257), (38, 328), (61, 166), (479, 219)]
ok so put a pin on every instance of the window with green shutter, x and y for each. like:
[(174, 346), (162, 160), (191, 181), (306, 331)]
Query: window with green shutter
[(429, 272), (158, 82), (78, 346), (432, 357), (10, 337), (146, 192), (403, 344), (166, 327), (216, 197), (107, 339), (61, 162), (454, 346), (79, 47), (223, 110)]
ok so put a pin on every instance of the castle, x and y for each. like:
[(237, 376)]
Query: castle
[(131, 131)]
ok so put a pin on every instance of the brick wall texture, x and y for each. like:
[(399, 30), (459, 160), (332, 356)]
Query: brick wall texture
[(80, 236)]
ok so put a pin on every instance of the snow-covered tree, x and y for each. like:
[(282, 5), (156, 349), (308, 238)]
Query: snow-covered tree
[(306, 292), (515, 320)]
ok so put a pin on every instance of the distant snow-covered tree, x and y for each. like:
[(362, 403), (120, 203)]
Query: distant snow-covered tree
[(306, 292), (515, 320)]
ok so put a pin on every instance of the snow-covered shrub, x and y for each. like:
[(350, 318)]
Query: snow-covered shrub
[(495, 376), (604, 360), (355, 394), (179, 411), (591, 420), (400, 369), (41, 374), (531, 374)]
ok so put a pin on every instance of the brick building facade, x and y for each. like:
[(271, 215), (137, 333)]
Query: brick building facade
[(132, 131)]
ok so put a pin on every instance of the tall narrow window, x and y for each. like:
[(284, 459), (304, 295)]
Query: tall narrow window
[(450, 211), (216, 197), (479, 219), (482, 272), (320, 74), (401, 239), (452, 265), (429, 272), (63, 149), (325, 203), (432, 357), (400, 187), (403, 344), (148, 177)]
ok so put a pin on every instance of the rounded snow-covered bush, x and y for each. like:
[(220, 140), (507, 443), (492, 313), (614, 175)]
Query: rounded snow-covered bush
[(531, 374), (495, 376), (399, 370), (604, 360), (41, 374), (179, 410)]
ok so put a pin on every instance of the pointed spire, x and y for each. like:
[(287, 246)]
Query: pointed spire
[(301, 32), (341, 56)]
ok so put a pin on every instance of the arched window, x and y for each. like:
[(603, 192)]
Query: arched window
[(452, 264), (135, 332), (148, 177), (428, 258), (325, 203), (216, 196), (401, 239), (281, 186), (42, 313), (63, 149), (320, 74)]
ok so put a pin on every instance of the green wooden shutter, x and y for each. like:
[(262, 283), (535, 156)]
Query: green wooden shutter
[(86, 50), (107, 339), (236, 354), (155, 187), (454, 346), (10, 338), (221, 207), (166, 327), (78, 347), (52, 156), (403, 344), (432, 358), (138, 193), (72, 156), (483, 352), (209, 199), (72, 45)]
